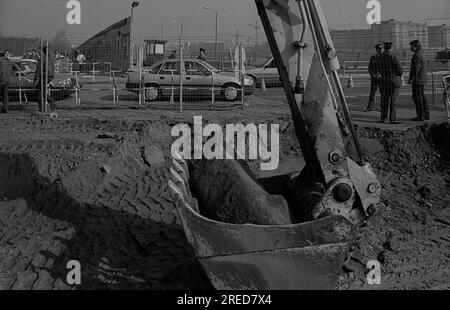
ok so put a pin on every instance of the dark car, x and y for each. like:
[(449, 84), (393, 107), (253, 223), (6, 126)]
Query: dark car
[(23, 71)]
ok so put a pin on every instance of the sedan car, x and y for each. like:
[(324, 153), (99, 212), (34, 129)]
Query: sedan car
[(163, 79), (23, 71), (268, 72)]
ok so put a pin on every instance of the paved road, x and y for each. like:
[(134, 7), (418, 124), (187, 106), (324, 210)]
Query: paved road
[(99, 104)]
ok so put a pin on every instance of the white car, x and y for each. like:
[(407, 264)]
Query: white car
[(268, 72), (163, 78)]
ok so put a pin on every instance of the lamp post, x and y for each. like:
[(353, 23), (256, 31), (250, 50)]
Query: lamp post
[(135, 4), (181, 60), (256, 27), (217, 19)]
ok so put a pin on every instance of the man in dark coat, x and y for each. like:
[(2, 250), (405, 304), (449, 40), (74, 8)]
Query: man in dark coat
[(375, 77), (202, 54), (391, 71), (418, 81), (173, 54), (5, 76), (48, 72)]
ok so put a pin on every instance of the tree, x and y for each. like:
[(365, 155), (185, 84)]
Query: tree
[(61, 42)]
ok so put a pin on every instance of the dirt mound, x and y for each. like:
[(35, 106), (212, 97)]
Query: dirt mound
[(409, 237)]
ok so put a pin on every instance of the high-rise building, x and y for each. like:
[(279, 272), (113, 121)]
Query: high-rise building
[(397, 32), (401, 33), (439, 36)]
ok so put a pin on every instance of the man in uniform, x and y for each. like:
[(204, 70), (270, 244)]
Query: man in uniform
[(375, 76), (48, 72), (418, 80), (5, 76), (391, 71)]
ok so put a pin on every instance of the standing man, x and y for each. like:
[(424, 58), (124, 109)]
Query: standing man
[(173, 54), (5, 76), (48, 72), (374, 71), (202, 55), (391, 81), (418, 80)]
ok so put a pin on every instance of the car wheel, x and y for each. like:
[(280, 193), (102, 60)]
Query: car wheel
[(152, 93), (231, 92)]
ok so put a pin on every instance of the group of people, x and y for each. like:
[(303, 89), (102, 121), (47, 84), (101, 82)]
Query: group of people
[(45, 73), (386, 73), (201, 55)]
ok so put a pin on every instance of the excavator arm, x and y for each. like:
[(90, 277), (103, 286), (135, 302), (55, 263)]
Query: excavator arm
[(335, 191), (308, 66)]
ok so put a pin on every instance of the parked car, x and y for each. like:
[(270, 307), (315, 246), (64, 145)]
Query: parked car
[(164, 77), (23, 71), (268, 72)]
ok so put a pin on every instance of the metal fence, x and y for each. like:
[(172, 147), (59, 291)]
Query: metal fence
[(95, 84)]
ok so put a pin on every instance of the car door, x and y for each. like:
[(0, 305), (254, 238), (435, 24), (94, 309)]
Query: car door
[(169, 78), (197, 81)]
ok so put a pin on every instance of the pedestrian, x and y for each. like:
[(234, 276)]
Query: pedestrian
[(48, 72), (418, 80), (5, 77), (202, 54), (375, 76), (391, 71), (173, 54)]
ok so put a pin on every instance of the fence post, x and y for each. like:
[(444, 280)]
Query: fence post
[(213, 95), (141, 87), (172, 90), (115, 97), (433, 86), (77, 86), (181, 75)]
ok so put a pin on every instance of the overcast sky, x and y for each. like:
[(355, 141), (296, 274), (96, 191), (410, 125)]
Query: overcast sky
[(45, 17)]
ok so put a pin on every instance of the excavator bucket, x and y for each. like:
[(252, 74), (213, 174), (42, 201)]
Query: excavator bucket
[(246, 236), (306, 256)]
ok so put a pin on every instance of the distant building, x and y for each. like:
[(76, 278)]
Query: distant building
[(439, 36), (110, 45), (397, 32), (401, 33)]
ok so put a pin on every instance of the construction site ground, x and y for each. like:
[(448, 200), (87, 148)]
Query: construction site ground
[(92, 186)]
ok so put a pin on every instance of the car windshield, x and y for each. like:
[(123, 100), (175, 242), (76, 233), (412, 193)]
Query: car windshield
[(210, 67)]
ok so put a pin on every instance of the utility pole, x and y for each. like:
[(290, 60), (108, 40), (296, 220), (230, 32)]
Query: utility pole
[(256, 27), (216, 34), (135, 4)]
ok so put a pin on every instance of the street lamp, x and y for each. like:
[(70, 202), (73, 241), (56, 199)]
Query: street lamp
[(134, 5), (181, 24), (256, 27), (181, 60), (217, 18)]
